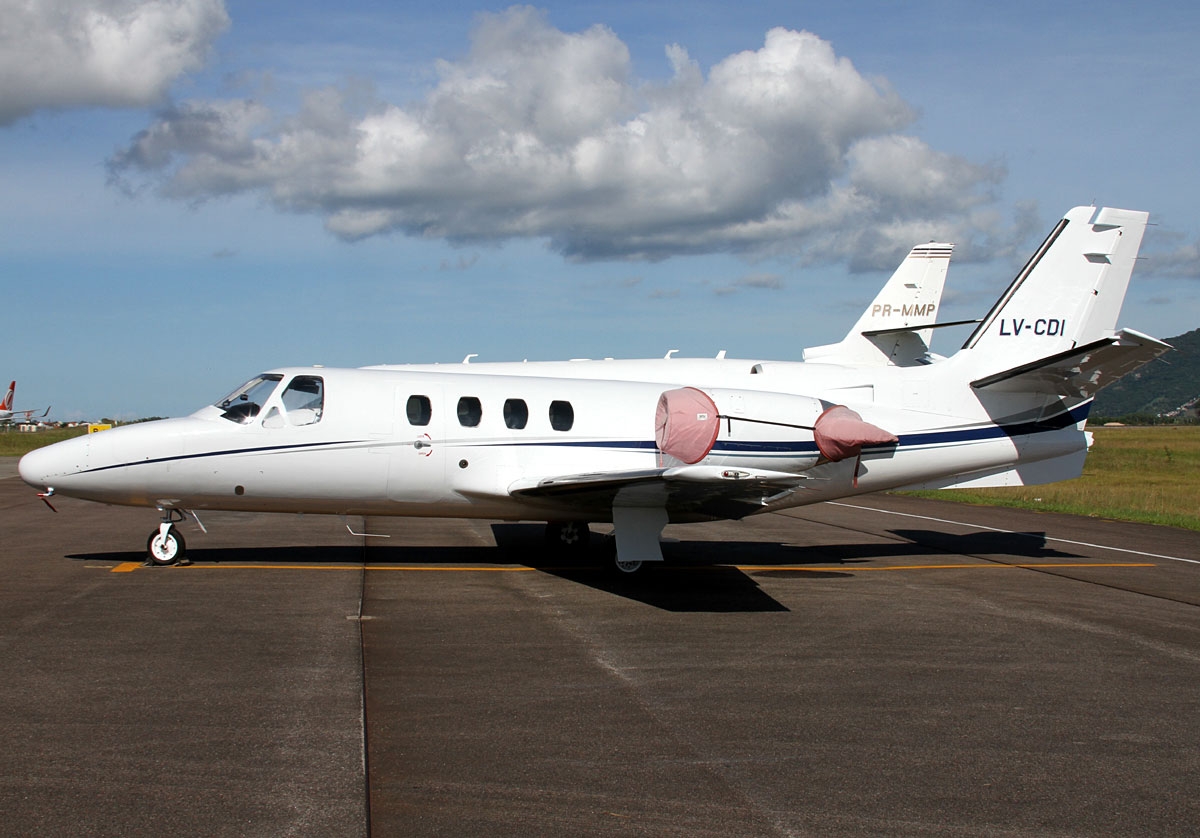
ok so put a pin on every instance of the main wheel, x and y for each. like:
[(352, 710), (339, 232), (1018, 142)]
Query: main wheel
[(614, 565), (165, 549), (573, 536), (625, 568)]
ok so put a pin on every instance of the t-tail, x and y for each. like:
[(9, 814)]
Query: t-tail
[(1050, 343), (897, 326), (1069, 293), (1053, 332)]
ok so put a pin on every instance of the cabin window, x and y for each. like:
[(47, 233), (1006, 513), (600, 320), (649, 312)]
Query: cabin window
[(304, 400), (419, 409), (470, 411), (562, 416), (244, 403), (516, 413)]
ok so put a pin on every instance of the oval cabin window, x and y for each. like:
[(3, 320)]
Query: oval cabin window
[(562, 416), (470, 411)]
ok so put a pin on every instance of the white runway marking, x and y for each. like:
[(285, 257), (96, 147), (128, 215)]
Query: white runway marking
[(1013, 532)]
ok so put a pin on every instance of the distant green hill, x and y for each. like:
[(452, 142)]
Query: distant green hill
[(1162, 385)]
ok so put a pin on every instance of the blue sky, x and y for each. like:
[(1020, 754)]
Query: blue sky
[(197, 190)]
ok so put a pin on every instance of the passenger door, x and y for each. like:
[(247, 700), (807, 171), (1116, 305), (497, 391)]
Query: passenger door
[(417, 461)]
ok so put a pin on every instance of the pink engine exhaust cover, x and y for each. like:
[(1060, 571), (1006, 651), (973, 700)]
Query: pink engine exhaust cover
[(841, 433)]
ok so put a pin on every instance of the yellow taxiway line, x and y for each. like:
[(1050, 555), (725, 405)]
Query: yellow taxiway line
[(127, 567)]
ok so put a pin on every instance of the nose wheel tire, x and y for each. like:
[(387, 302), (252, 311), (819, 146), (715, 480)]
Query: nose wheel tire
[(165, 548)]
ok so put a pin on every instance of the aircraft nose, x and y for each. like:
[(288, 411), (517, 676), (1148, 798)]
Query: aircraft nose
[(42, 466), (33, 468)]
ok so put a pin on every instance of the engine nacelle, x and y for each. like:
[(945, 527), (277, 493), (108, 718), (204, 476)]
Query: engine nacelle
[(755, 429)]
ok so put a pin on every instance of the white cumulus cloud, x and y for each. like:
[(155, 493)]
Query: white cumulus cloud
[(1180, 262), (110, 53), (547, 134)]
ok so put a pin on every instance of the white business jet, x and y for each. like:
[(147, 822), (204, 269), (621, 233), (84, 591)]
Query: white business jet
[(644, 443)]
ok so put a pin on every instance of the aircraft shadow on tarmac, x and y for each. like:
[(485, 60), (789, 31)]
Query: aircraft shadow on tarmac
[(698, 576), (1029, 545)]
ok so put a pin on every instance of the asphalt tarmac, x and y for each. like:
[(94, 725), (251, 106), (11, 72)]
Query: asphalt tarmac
[(882, 666)]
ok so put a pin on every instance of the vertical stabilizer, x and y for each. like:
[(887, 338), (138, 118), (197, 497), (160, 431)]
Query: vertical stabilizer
[(890, 331), (8, 397), (1070, 291)]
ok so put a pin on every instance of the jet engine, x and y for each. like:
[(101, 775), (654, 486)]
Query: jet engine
[(756, 429)]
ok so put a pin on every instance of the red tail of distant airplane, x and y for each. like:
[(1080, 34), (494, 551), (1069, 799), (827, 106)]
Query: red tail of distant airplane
[(7, 414)]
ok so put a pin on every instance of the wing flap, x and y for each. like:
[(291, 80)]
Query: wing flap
[(696, 490), (1079, 372)]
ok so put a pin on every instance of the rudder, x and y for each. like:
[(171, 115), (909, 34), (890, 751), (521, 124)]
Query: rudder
[(1070, 291)]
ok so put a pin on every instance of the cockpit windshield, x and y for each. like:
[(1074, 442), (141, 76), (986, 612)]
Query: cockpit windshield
[(244, 403)]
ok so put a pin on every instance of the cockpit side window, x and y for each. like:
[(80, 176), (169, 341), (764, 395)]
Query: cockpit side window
[(304, 400), (244, 403)]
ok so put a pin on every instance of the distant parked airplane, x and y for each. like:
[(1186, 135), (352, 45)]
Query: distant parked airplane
[(7, 414), (643, 443)]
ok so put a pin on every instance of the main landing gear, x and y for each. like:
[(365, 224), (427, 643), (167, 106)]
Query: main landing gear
[(166, 545), (573, 539), (622, 568)]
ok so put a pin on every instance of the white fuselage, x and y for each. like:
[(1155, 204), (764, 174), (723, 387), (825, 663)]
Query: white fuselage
[(369, 455)]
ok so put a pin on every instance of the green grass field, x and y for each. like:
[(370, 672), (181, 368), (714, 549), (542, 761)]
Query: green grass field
[(1150, 475), (1142, 474), (13, 443)]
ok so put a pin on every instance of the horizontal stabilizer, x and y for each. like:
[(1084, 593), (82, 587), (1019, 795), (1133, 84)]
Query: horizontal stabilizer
[(901, 329), (1079, 372)]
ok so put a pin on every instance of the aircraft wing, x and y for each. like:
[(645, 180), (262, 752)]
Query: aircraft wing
[(696, 490), (1079, 372)]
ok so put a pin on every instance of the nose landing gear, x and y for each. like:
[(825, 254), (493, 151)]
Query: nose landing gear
[(166, 545)]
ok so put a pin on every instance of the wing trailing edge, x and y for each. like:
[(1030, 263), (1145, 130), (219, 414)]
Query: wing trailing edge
[(702, 490)]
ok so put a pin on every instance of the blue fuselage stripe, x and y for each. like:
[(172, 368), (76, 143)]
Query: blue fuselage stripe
[(776, 448)]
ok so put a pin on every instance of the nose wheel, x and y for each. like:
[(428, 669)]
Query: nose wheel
[(165, 545)]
